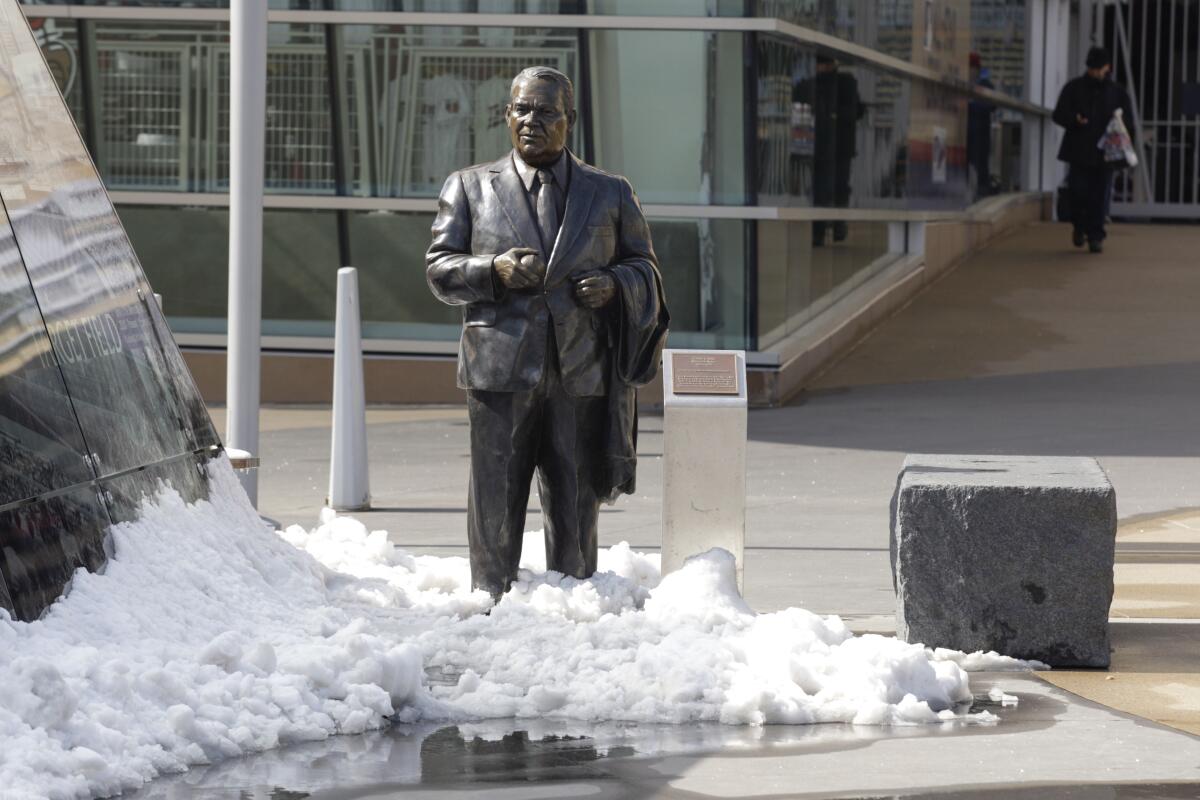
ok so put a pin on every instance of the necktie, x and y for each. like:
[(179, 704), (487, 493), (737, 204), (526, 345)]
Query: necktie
[(547, 211)]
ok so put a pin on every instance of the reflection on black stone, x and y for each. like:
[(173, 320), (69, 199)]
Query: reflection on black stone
[(186, 475), (92, 298), (448, 757), (89, 286), (6, 602), (41, 448), (198, 423), (45, 542)]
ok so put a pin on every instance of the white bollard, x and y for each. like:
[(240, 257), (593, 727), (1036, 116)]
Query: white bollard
[(348, 483), (704, 455)]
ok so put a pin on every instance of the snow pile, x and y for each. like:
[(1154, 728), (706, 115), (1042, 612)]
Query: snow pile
[(695, 651), (208, 637)]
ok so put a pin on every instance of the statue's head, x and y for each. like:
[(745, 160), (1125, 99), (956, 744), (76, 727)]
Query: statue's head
[(540, 114)]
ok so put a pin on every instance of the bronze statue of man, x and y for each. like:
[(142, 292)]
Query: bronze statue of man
[(563, 317)]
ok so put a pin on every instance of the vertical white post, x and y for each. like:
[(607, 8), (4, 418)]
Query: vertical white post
[(1034, 131), (247, 117), (1058, 72), (704, 455), (916, 238), (897, 237), (348, 481)]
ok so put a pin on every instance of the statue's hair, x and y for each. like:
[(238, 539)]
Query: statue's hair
[(552, 75)]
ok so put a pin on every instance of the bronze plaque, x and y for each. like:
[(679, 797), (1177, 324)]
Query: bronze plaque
[(704, 373)]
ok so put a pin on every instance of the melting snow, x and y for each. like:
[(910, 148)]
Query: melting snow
[(208, 637)]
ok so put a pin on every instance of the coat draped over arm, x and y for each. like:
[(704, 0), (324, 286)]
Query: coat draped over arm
[(638, 333)]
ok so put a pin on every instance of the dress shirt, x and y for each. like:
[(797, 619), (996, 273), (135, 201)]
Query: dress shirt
[(561, 170)]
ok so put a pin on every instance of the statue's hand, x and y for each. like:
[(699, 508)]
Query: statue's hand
[(595, 289), (533, 263), (519, 268)]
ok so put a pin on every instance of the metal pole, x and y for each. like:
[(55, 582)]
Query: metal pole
[(1140, 142), (247, 115)]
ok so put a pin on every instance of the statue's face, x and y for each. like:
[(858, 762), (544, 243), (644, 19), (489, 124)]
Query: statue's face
[(538, 121)]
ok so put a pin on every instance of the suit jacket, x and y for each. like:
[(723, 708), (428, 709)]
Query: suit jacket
[(483, 211)]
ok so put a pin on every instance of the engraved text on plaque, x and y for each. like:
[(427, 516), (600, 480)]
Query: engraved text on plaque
[(704, 373)]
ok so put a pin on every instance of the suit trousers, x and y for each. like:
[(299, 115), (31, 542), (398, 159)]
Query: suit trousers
[(514, 434)]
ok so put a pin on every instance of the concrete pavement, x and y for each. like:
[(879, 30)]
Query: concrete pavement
[(1029, 348)]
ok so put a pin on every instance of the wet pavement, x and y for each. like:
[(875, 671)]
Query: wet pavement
[(1097, 754)]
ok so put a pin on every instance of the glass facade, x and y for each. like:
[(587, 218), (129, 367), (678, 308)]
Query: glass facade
[(711, 123), (802, 273), (93, 391)]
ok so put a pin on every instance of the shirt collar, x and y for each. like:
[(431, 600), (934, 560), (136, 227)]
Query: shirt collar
[(528, 173)]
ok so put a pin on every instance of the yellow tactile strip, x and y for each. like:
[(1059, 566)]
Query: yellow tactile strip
[(1158, 567), (1155, 671)]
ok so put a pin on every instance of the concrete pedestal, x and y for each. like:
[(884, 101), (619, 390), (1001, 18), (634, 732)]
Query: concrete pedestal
[(704, 461)]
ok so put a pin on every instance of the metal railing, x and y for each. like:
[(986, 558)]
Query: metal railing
[(1156, 54)]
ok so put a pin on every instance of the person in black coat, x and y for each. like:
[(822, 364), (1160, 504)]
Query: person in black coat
[(1085, 106)]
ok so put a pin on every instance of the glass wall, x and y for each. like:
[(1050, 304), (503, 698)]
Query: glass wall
[(840, 134), (695, 119), (998, 30), (802, 272), (997, 62), (413, 104), (681, 8), (708, 305), (421, 102), (682, 144), (830, 133)]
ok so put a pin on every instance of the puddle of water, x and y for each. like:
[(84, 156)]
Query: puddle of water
[(537, 758), (497, 752)]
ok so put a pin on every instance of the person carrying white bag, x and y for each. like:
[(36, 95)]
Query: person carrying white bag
[(1088, 107)]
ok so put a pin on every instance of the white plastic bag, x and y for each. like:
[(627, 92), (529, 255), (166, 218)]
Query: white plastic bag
[(1116, 144)]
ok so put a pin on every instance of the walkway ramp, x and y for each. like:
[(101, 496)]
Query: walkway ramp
[(1031, 303)]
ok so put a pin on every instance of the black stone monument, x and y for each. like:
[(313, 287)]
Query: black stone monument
[(96, 404)]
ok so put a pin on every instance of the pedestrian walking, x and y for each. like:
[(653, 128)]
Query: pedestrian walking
[(1085, 108)]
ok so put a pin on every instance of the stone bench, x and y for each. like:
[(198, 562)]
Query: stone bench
[(1005, 553)]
